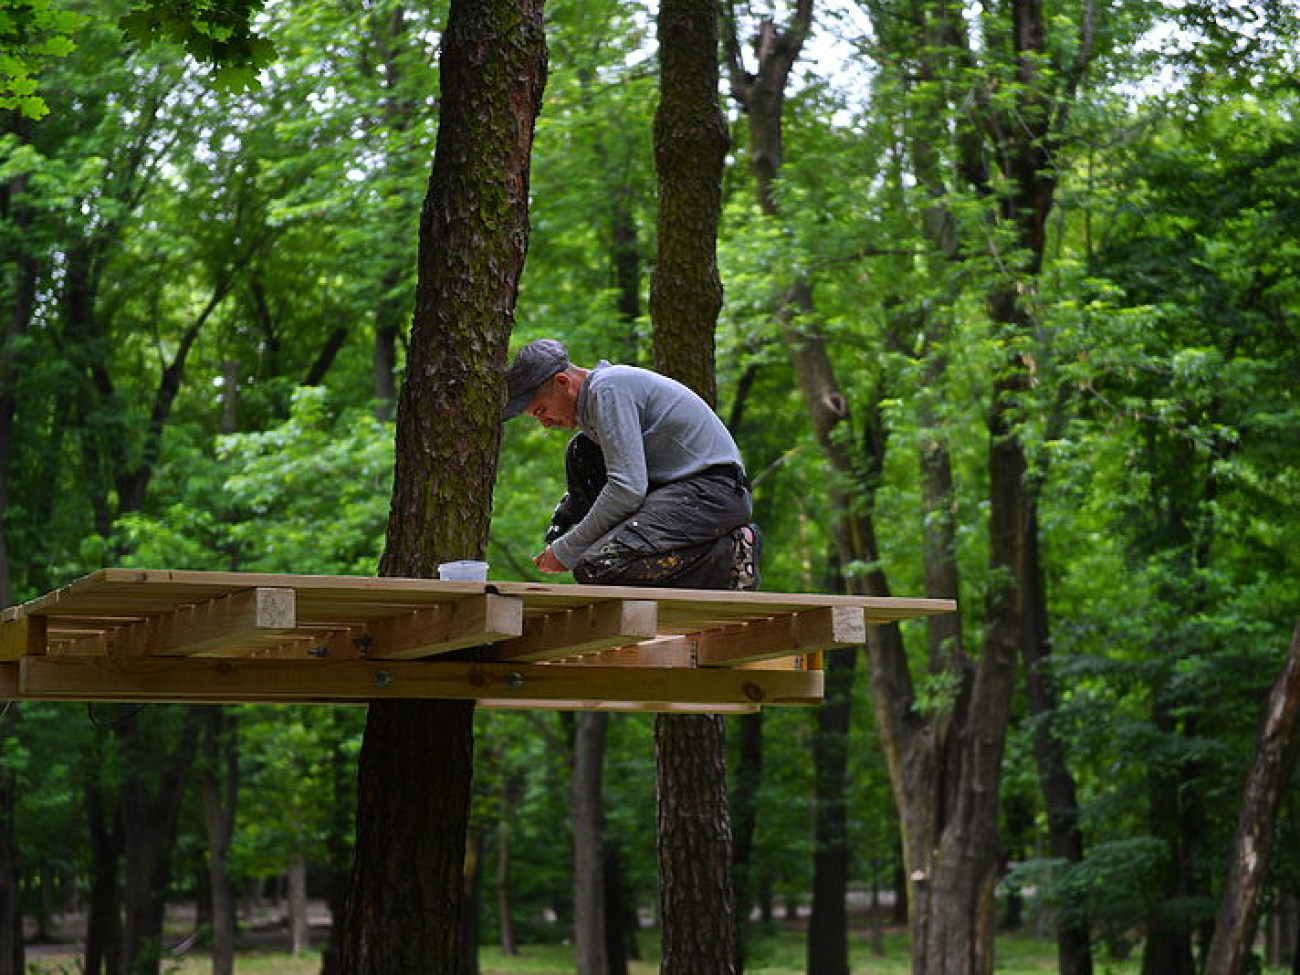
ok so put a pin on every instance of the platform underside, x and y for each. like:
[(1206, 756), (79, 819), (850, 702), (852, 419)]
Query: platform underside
[(227, 637)]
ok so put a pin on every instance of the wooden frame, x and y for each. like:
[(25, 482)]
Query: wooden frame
[(146, 635)]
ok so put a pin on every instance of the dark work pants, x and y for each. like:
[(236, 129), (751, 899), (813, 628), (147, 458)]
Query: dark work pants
[(680, 537)]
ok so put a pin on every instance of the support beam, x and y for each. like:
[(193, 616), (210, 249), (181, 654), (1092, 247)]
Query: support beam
[(209, 680), (443, 627), (21, 635), (782, 636), (582, 630)]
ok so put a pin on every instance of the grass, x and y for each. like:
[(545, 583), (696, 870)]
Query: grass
[(781, 953)]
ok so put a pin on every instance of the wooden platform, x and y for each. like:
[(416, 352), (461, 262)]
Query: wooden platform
[(222, 637)]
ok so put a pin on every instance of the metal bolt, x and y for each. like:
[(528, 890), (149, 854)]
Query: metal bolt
[(383, 678), (514, 680)]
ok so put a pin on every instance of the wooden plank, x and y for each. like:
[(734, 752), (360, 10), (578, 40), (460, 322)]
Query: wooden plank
[(471, 622), (634, 707), (21, 635), (204, 679), (671, 651), (581, 630), (782, 636), (227, 624)]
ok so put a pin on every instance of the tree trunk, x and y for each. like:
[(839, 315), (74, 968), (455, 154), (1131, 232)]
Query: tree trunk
[(296, 882), (828, 924), (694, 846), (747, 779), (1277, 745), (690, 137), (505, 916), (341, 800), (220, 782), (589, 921), (103, 955), (13, 960), (403, 915), (157, 758)]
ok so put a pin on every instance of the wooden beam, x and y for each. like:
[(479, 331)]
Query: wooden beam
[(583, 629), (21, 635), (782, 636), (225, 625), (671, 651), (9, 681), (443, 627), (252, 681), (497, 704)]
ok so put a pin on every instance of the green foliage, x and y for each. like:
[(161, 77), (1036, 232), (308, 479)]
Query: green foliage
[(31, 31)]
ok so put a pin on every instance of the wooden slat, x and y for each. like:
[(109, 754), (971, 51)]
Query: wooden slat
[(205, 679), (782, 636), (9, 681), (228, 624), (450, 626), (634, 707), (21, 635), (673, 651), (582, 630)]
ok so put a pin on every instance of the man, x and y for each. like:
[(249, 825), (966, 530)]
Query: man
[(657, 492)]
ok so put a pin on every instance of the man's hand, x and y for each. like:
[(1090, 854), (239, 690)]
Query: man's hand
[(547, 562)]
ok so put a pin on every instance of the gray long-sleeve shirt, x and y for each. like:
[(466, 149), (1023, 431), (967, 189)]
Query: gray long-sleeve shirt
[(652, 430)]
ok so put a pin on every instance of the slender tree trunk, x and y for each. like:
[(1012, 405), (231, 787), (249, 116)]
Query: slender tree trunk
[(220, 783), (299, 933), (589, 921), (406, 897), (1231, 950), (828, 926), (103, 955), (13, 958), (505, 911), (747, 779), (341, 800)]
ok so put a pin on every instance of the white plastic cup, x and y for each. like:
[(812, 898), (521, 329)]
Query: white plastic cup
[(464, 570)]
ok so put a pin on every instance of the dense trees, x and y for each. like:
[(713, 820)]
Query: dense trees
[(1009, 306)]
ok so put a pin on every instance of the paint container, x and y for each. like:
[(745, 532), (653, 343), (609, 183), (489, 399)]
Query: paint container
[(464, 570)]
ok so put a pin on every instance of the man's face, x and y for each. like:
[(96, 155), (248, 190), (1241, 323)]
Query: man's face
[(555, 404)]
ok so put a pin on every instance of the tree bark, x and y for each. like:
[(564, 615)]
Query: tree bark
[(403, 915), (296, 883), (747, 779), (694, 847), (220, 787), (157, 758), (1277, 745), (828, 923), (690, 138), (589, 920), (13, 956)]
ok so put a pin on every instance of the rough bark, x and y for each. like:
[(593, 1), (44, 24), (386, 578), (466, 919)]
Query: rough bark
[(690, 137), (690, 146), (1231, 950), (694, 846), (589, 920), (404, 911)]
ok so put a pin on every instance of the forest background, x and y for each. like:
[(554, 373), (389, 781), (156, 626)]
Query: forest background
[(206, 289)]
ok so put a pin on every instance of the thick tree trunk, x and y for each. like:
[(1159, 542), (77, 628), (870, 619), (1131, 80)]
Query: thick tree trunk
[(690, 137), (406, 897), (220, 787), (1231, 950), (589, 920), (694, 847), (690, 145), (828, 925)]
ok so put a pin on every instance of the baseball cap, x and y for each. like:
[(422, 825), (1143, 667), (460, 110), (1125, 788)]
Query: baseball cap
[(535, 363)]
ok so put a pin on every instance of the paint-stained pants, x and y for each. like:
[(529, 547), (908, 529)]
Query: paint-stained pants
[(680, 537)]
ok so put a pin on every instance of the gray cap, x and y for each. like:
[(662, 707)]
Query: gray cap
[(536, 362)]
